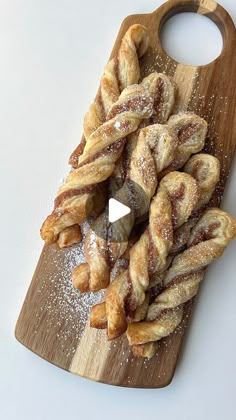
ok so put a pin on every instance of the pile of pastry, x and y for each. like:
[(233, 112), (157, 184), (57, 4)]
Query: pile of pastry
[(135, 150)]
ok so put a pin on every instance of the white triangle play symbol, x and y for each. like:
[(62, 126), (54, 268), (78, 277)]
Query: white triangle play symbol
[(116, 210)]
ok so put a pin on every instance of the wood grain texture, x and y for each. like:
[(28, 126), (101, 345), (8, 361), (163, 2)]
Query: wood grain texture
[(54, 319)]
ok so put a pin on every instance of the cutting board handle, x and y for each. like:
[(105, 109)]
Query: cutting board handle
[(208, 8)]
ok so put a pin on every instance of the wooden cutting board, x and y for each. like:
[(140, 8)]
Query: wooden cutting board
[(53, 322)]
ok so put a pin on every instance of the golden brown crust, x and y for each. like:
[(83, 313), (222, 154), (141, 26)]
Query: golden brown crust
[(83, 274), (145, 332), (147, 350), (140, 313), (98, 317), (69, 236), (116, 293)]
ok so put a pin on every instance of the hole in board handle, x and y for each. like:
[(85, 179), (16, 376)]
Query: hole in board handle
[(191, 39)]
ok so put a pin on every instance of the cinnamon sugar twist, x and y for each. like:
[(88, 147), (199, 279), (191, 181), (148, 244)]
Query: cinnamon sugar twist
[(164, 92), (120, 72), (156, 148), (205, 169), (207, 243), (189, 131), (176, 197)]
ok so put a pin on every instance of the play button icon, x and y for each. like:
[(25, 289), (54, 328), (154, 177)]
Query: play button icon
[(117, 210), (125, 208)]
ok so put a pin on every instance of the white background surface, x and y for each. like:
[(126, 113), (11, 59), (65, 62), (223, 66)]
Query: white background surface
[(52, 54)]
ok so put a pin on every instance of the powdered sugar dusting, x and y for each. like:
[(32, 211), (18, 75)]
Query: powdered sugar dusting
[(65, 309), (117, 124)]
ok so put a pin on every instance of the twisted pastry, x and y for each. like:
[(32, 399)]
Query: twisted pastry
[(120, 72), (164, 92), (176, 197), (156, 148), (75, 200), (207, 243), (205, 169), (190, 130)]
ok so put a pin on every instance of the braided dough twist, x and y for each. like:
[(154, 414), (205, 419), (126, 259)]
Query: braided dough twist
[(207, 243), (205, 169), (164, 92), (176, 197), (120, 72), (189, 131)]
